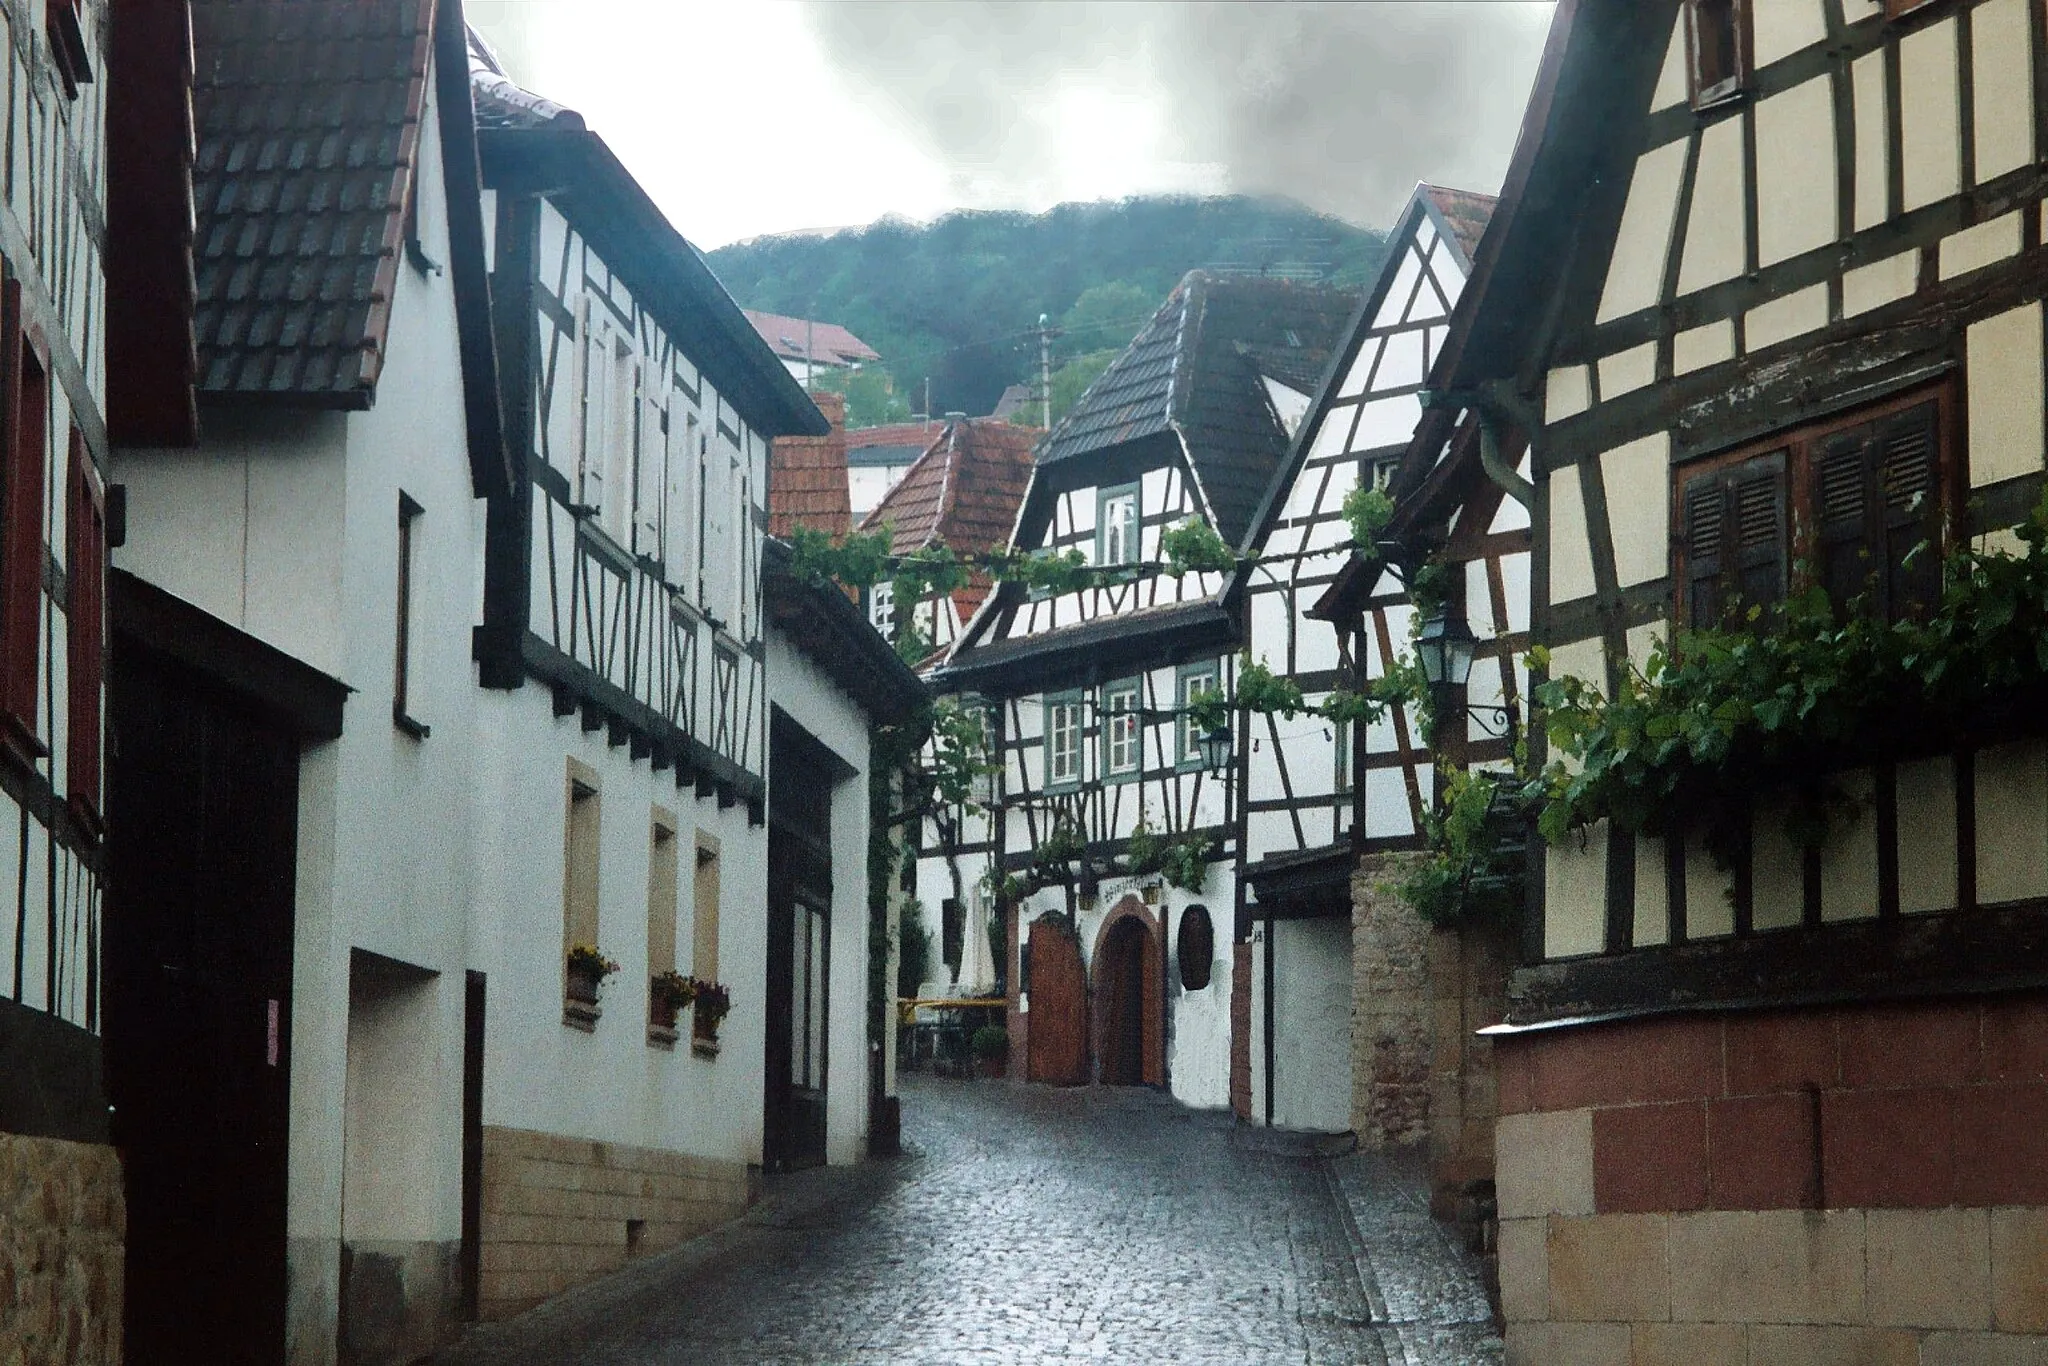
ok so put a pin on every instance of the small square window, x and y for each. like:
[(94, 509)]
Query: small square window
[(1717, 42)]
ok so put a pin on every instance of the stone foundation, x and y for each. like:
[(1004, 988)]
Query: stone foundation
[(63, 1226), (1843, 1184), (399, 1301), (559, 1211), (1391, 1041)]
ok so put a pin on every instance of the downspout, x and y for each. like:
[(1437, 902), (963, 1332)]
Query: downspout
[(1494, 403)]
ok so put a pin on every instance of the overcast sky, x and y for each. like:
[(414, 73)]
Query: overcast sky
[(745, 117)]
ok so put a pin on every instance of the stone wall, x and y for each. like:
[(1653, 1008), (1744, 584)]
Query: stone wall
[(1842, 1184), (559, 1211), (1241, 1029), (63, 1225), (1391, 1019)]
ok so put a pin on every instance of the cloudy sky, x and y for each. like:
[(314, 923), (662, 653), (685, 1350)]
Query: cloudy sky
[(766, 116)]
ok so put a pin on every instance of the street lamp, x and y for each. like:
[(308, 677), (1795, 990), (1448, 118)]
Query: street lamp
[(1215, 743), (1445, 647)]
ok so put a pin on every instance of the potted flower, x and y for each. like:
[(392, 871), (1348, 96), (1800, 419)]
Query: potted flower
[(667, 994), (991, 1047), (588, 967), (713, 1003)]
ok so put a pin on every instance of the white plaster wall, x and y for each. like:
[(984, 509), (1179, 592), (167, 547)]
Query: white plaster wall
[(1198, 1022), (814, 702), (1311, 1025), (610, 1084)]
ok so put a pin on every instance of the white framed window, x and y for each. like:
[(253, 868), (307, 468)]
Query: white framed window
[(1382, 474), (1116, 526), (1120, 728), (1062, 740), (882, 609), (1197, 681)]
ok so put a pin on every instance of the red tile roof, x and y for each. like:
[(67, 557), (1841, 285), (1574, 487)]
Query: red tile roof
[(829, 343), (308, 115), (807, 477), (963, 492), (1467, 213)]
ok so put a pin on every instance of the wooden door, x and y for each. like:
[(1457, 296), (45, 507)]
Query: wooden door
[(1056, 1035), (202, 813)]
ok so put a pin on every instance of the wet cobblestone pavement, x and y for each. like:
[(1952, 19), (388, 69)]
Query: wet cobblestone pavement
[(1032, 1225)]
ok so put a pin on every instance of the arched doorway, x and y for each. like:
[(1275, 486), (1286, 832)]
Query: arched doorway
[(1055, 1044), (1130, 1017)]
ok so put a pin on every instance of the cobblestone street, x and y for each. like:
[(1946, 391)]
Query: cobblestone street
[(1031, 1225)]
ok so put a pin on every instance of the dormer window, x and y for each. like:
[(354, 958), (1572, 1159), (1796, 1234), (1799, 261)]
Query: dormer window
[(1717, 41)]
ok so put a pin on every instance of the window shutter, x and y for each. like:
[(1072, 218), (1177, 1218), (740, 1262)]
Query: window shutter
[(27, 396), (1841, 509), (1908, 474), (1733, 539), (652, 457), (596, 401), (1705, 504), (1757, 501), (85, 623)]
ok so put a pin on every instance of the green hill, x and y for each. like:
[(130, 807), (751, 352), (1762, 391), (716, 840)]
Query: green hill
[(956, 301)]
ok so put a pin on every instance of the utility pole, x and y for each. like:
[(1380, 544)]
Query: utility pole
[(1046, 333), (927, 402)]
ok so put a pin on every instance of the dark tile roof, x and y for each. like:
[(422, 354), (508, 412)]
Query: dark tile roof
[(963, 492), (1467, 214), (807, 477), (308, 115), (1195, 370)]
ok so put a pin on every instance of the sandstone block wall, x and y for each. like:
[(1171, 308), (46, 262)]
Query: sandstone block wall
[(1849, 1184), (63, 1227), (559, 1211), (1391, 1017)]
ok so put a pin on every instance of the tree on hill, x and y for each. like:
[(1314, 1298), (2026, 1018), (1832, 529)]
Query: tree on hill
[(958, 300)]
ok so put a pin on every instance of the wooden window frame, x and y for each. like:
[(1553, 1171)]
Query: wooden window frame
[(85, 563), (1130, 718), (1732, 85), (1055, 704), (68, 50), (582, 860), (1798, 448), (24, 455), (664, 899), (409, 513), (1187, 742), (1135, 532)]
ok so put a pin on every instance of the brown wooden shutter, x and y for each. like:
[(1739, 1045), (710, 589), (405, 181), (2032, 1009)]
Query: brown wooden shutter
[(25, 389), (1733, 539), (1906, 466), (1756, 497), (1842, 498), (85, 622), (1705, 504)]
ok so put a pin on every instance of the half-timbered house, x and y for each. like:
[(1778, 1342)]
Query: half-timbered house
[(66, 1199), (290, 788), (1317, 792), (713, 714), (1765, 291), (1088, 692), (442, 635)]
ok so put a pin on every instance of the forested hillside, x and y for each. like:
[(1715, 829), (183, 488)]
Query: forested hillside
[(958, 300)]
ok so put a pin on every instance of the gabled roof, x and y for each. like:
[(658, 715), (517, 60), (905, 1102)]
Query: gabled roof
[(308, 118), (1463, 214), (1427, 201), (807, 477), (963, 493), (532, 146), (799, 338), (1195, 370)]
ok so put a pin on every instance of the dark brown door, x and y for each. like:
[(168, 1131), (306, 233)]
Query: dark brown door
[(1120, 1005), (473, 1020), (202, 813), (1056, 1029)]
